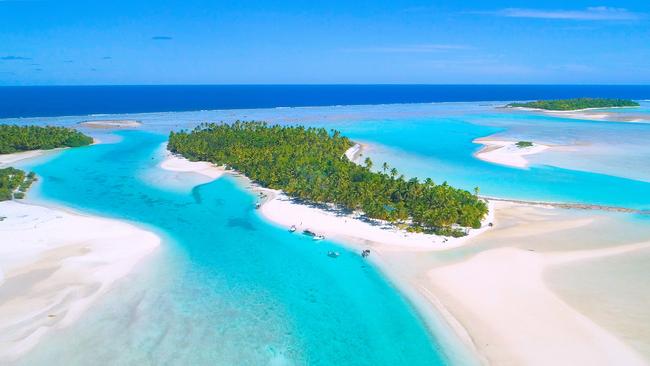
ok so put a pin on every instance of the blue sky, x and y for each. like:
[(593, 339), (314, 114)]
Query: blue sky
[(244, 42)]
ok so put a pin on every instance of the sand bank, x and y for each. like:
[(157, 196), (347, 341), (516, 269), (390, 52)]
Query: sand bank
[(111, 124), (501, 299), (507, 152), (54, 264)]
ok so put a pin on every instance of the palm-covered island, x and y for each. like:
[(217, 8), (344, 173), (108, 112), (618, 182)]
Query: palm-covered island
[(15, 182), (310, 164), (15, 138), (574, 104)]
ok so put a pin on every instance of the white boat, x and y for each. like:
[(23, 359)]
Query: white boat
[(319, 237), (292, 228)]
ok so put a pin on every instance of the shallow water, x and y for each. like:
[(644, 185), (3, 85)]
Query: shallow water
[(605, 163), (226, 288)]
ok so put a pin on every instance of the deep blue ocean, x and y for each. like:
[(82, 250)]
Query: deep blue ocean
[(44, 101)]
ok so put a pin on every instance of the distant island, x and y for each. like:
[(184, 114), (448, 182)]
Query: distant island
[(574, 104), (311, 164), (14, 139)]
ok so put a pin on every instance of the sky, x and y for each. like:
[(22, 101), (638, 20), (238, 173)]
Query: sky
[(324, 42)]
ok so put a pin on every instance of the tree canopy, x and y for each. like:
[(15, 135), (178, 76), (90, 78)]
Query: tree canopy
[(14, 183), (309, 164), (15, 138), (575, 104)]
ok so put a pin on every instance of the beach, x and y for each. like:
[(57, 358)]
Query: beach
[(54, 265), (507, 152), (489, 287)]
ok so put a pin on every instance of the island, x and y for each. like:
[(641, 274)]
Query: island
[(310, 164), (574, 104), (14, 138)]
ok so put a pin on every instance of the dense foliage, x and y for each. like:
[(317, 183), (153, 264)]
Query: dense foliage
[(523, 144), (21, 138), (576, 103), (14, 183), (309, 164)]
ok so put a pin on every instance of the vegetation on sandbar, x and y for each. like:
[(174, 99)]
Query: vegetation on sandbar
[(309, 164), (575, 104), (15, 138), (14, 183), (523, 144)]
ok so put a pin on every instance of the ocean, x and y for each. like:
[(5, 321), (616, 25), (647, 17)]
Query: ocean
[(48, 101)]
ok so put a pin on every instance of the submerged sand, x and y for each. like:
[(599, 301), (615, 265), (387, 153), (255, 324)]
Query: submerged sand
[(54, 264)]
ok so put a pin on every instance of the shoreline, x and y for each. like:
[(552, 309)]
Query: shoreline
[(280, 210), (505, 152), (443, 293)]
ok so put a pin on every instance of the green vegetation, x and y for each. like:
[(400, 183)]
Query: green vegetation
[(22, 138), (309, 164), (576, 103), (523, 144), (14, 183)]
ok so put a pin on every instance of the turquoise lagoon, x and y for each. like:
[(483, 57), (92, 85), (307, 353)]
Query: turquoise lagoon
[(228, 288)]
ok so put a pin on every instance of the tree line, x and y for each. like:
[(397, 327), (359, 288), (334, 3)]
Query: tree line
[(14, 183), (15, 138), (309, 164), (575, 104)]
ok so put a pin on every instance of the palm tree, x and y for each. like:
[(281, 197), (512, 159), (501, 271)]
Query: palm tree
[(393, 173), (368, 163)]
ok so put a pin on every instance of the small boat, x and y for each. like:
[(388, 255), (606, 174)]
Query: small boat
[(257, 206), (332, 254), (319, 237), (292, 228), (309, 233)]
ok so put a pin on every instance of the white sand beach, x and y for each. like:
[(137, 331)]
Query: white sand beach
[(8, 159), (496, 300), (177, 164), (54, 264), (507, 152)]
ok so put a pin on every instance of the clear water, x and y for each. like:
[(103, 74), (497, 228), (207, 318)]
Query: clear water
[(226, 288)]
